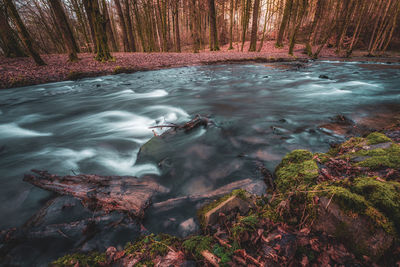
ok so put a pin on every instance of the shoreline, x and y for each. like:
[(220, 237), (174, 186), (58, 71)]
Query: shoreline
[(20, 72)]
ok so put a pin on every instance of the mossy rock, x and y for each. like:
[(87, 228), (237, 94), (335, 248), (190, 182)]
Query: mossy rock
[(92, 259), (296, 168), (381, 158), (238, 199), (364, 233), (377, 138), (383, 195)]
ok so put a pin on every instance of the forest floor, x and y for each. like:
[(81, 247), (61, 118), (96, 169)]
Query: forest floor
[(16, 72)]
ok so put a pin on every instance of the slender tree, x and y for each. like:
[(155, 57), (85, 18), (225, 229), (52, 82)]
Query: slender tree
[(10, 43), (99, 25), (297, 20), (231, 9), (175, 14), (213, 26), (284, 22), (129, 26), (63, 24), (246, 6), (23, 32), (254, 28), (122, 24), (109, 30)]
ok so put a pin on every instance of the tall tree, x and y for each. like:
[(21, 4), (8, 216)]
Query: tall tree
[(284, 22), (109, 30), (23, 32), (99, 27), (10, 43), (65, 28), (194, 25), (175, 14), (316, 20), (213, 26), (254, 27), (90, 20), (129, 27), (297, 20), (122, 25), (246, 6), (231, 9)]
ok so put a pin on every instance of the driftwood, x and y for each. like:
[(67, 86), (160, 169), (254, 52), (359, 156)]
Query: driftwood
[(188, 126), (109, 193)]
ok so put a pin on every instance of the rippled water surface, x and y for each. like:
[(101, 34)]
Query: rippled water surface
[(98, 125)]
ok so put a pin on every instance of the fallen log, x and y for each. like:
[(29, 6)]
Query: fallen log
[(108, 193)]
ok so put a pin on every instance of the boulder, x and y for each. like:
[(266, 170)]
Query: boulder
[(357, 230)]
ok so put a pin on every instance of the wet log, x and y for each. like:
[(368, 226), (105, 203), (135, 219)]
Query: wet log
[(256, 187), (108, 193)]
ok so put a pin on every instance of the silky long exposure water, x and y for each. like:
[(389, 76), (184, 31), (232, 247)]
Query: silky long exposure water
[(98, 125)]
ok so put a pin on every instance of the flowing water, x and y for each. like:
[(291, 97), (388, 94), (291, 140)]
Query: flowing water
[(98, 125)]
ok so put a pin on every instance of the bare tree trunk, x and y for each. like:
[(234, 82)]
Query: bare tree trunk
[(82, 23), (90, 20), (317, 17), (10, 44), (122, 25), (213, 26), (99, 24), (24, 35), (194, 26), (254, 27), (297, 22), (110, 33), (245, 19), (231, 25), (176, 28), (65, 28), (284, 22), (129, 28)]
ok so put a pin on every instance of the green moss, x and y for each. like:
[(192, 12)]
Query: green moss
[(297, 156), (323, 157), (92, 259), (152, 245), (381, 158), (206, 208), (225, 255), (196, 244), (247, 223), (385, 196), (377, 138), (290, 175), (355, 204)]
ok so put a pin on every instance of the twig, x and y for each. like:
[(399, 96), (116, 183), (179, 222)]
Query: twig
[(329, 202), (164, 126), (64, 235)]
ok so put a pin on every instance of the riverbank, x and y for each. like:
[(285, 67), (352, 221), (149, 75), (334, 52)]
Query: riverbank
[(323, 209), (16, 72)]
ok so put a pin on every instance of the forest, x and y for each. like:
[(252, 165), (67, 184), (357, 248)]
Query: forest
[(199, 133), (102, 27)]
